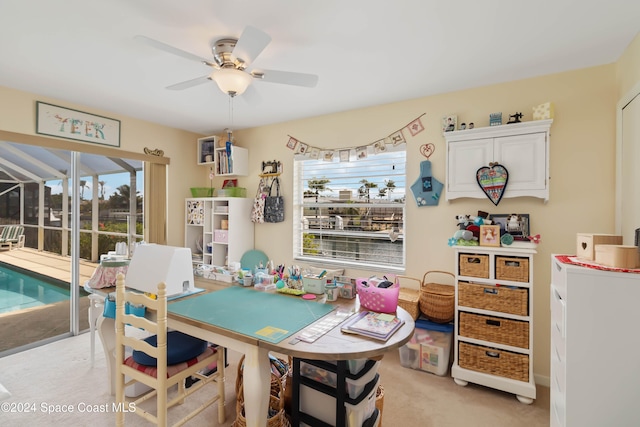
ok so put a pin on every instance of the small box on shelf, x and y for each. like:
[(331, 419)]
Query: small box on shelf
[(586, 244), (221, 236)]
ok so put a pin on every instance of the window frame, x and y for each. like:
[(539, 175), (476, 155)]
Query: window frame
[(300, 223)]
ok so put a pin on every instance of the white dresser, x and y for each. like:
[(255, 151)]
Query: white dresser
[(595, 347)]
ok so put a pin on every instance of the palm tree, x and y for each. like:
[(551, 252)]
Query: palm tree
[(317, 185), (102, 183), (390, 186), (365, 189), (83, 184)]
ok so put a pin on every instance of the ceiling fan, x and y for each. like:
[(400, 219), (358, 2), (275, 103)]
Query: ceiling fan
[(231, 57)]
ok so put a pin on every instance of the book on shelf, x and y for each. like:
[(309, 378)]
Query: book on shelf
[(379, 326)]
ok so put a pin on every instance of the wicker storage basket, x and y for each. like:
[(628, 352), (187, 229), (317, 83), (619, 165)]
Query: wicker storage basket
[(473, 265), (276, 418), (380, 403), (437, 301), (514, 269), (493, 361), (494, 298), (494, 329), (409, 298), (278, 382)]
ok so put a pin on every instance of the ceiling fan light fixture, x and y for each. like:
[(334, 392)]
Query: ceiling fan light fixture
[(231, 81)]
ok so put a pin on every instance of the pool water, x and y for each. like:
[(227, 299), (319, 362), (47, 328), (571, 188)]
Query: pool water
[(19, 291)]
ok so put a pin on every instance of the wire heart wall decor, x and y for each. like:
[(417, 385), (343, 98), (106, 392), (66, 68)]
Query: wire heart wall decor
[(427, 149), (493, 180)]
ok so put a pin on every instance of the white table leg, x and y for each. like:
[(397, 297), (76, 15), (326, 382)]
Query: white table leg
[(256, 383), (96, 304), (107, 332)]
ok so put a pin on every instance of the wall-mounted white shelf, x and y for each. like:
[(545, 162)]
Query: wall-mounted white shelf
[(206, 149)]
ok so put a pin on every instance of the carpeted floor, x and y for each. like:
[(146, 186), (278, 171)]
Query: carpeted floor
[(60, 373)]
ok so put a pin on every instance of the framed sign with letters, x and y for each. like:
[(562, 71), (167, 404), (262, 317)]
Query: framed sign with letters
[(66, 123)]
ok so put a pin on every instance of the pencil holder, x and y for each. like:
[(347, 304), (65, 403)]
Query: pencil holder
[(373, 298)]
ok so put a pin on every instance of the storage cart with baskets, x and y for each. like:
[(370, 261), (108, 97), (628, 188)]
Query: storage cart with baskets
[(493, 338)]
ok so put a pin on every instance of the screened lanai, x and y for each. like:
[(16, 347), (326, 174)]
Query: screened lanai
[(36, 190)]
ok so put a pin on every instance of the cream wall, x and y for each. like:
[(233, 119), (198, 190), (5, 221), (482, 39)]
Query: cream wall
[(628, 68), (17, 114), (582, 158)]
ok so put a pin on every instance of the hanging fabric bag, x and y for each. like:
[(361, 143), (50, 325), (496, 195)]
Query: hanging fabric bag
[(257, 211), (274, 205)]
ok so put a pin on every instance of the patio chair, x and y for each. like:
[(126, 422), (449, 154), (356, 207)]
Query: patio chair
[(161, 360), (12, 235)]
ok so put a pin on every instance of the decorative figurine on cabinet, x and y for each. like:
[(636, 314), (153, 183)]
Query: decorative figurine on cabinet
[(514, 118), (495, 119), (449, 123)]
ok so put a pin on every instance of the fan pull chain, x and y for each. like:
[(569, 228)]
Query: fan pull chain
[(231, 112)]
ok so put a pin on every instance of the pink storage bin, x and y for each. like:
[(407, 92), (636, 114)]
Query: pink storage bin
[(381, 300), (221, 236)]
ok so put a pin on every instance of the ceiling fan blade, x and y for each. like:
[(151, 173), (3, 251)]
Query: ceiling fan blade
[(251, 43), (173, 50), (190, 83), (289, 78)]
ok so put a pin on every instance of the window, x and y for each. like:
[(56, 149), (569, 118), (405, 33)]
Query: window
[(351, 213)]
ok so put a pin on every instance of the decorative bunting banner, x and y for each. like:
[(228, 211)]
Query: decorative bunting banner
[(361, 152)]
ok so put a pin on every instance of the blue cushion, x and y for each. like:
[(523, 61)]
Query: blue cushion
[(180, 348)]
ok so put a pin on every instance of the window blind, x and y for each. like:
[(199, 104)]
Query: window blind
[(351, 213)]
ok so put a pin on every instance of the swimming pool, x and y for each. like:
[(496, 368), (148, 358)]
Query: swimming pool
[(21, 289)]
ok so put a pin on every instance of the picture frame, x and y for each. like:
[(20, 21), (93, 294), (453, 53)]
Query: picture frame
[(518, 225), (489, 235), (61, 122), (449, 123)]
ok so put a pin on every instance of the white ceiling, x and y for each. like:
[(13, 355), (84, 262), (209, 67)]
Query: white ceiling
[(365, 52)]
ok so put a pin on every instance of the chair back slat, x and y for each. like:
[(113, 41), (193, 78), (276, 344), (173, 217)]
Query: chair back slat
[(141, 299), (141, 345), (141, 323)]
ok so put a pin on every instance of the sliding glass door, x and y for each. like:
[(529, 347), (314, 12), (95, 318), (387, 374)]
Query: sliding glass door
[(72, 208)]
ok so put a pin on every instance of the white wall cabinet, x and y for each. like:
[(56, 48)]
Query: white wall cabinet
[(595, 374), (493, 340), (522, 148), (210, 153), (206, 236)]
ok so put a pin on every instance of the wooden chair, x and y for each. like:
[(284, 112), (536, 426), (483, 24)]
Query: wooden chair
[(162, 376)]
